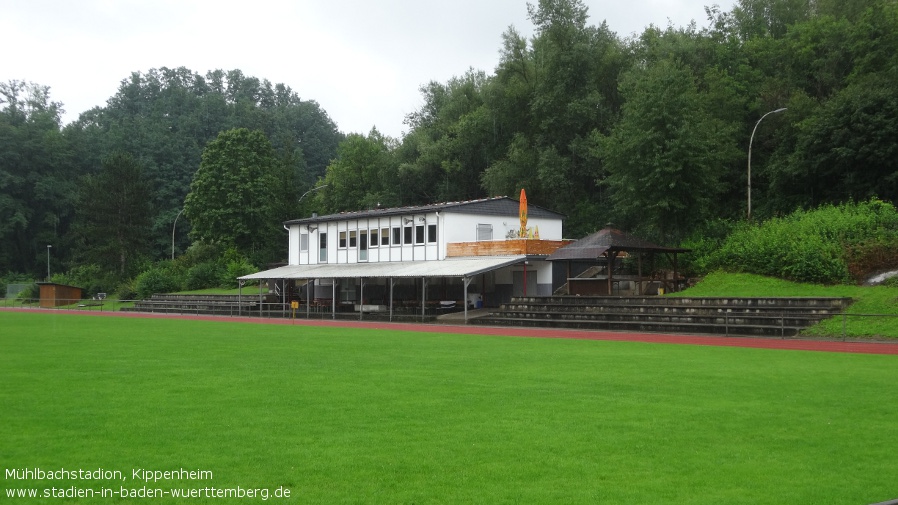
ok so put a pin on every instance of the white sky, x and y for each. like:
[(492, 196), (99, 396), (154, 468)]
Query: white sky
[(362, 60)]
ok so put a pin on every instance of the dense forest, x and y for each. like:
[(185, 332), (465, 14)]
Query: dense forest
[(651, 132), (108, 188)]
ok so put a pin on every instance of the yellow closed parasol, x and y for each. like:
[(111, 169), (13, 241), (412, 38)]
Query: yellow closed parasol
[(523, 211)]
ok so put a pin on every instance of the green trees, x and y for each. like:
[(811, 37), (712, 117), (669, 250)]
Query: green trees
[(452, 141), (37, 179), (649, 131), (114, 214), (665, 158), (846, 148), (652, 131), (163, 118), (234, 198), (361, 176), (835, 73), (166, 117), (575, 99), (549, 99)]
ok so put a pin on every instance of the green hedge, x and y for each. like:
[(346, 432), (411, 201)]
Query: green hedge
[(203, 266), (160, 278), (826, 245), (207, 274)]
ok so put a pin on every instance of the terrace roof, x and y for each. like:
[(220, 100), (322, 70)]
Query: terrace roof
[(450, 267)]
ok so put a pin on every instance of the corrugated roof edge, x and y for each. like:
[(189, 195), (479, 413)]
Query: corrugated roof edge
[(450, 267), (467, 206)]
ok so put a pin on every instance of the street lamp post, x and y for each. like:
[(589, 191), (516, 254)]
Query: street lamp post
[(309, 191), (748, 214), (48, 262), (173, 234)]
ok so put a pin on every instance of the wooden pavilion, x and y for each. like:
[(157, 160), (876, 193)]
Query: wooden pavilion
[(605, 247)]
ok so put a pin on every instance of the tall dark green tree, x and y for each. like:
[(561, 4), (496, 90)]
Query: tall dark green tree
[(235, 199), (846, 149), (667, 155), (552, 96), (453, 137), (363, 175), (770, 18), (37, 179), (114, 215)]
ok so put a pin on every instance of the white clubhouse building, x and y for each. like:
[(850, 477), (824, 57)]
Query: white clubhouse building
[(416, 257)]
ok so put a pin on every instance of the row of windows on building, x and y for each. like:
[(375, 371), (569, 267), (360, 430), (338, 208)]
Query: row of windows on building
[(383, 237)]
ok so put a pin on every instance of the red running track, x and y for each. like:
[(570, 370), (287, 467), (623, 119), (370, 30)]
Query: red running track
[(654, 338)]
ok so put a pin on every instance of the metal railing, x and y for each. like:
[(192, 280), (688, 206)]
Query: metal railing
[(248, 307), (255, 308)]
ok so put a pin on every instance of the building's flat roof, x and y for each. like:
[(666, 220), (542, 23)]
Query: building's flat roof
[(495, 206), (58, 284), (451, 267)]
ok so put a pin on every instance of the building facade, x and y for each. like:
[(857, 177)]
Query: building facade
[(460, 251)]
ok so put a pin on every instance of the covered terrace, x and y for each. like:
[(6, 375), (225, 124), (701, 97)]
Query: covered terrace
[(466, 269)]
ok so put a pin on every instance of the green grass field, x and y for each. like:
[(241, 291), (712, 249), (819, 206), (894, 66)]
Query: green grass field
[(373, 416)]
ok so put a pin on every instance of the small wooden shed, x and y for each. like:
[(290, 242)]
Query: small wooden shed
[(56, 295)]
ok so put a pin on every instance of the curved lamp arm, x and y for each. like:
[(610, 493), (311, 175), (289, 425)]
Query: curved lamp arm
[(748, 214)]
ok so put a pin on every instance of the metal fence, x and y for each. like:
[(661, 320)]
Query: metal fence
[(248, 307), (889, 322), (255, 308)]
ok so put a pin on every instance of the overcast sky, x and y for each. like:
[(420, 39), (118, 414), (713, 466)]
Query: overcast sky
[(362, 60)]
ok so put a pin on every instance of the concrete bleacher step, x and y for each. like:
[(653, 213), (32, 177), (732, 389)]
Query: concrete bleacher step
[(767, 316), (800, 320), (732, 302), (665, 309), (220, 305), (650, 327)]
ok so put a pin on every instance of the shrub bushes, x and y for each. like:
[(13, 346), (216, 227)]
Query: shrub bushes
[(91, 278), (14, 278), (31, 293), (236, 268), (819, 246), (127, 290), (702, 244), (160, 278), (203, 266), (208, 274)]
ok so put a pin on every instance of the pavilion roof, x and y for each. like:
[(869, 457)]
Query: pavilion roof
[(607, 239)]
